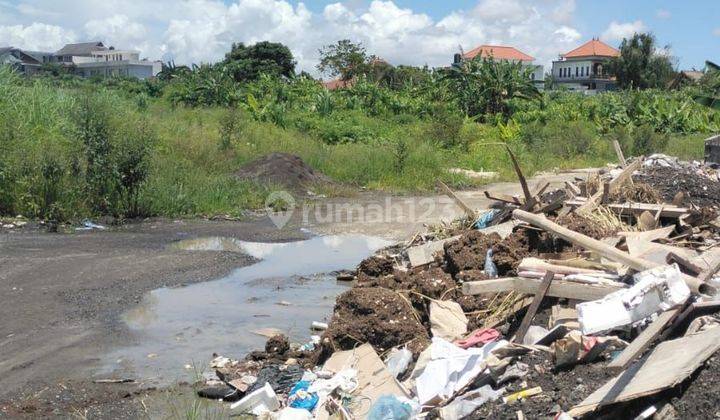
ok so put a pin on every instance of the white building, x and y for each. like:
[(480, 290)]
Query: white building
[(505, 53), (585, 68), (95, 59)]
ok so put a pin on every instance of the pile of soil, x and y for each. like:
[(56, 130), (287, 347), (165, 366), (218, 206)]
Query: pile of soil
[(373, 315), (468, 252), (698, 190), (283, 169)]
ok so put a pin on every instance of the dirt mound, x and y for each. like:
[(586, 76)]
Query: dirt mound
[(283, 169), (373, 315), (698, 189), (373, 267), (468, 252)]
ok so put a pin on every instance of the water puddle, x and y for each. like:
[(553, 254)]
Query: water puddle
[(288, 289)]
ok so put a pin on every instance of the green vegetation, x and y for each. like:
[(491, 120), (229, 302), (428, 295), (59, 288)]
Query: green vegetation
[(73, 148)]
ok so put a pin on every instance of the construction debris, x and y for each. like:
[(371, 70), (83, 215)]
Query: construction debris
[(522, 311)]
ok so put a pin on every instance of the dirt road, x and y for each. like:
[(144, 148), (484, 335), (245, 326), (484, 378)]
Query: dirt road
[(62, 294)]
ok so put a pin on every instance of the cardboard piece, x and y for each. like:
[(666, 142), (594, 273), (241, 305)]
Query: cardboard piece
[(447, 320), (374, 380), (425, 253), (666, 366)]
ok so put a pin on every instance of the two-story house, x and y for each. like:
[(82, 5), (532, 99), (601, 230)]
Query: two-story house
[(95, 59), (505, 53), (585, 68), (19, 60)]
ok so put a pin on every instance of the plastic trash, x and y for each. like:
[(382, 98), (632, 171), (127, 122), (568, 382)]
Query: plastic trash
[(299, 397), (490, 267), (398, 361), (346, 380), (389, 407), (469, 402), (289, 413), (479, 336), (319, 326), (310, 346), (89, 225), (484, 220), (258, 402)]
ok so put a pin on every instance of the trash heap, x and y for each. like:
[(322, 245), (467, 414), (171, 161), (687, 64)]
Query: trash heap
[(594, 300)]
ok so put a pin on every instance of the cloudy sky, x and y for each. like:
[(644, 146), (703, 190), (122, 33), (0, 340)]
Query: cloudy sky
[(401, 31)]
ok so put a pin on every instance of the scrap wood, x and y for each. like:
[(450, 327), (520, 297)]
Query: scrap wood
[(529, 200), (655, 252), (624, 176), (619, 152), (683, 262), (572, 188), (504, 198), (690, 312), (498, 317), (558, 288), (644, 340), (636, 263), (713, 268), (534, 306), (668, 364), (635, 208), (467, 209)]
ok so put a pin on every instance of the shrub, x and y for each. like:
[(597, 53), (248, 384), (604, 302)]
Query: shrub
[(646, 141)]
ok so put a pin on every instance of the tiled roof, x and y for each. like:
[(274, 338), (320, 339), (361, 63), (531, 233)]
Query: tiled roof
[(593, 48), (337, 84), (498, 52)]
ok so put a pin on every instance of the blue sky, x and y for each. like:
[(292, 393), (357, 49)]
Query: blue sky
[(400, 31)]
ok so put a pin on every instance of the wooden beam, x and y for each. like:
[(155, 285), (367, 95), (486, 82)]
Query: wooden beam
[(683, 262), (572, 187), (638, 208), (467, 209), (619, 152), (644, 340), (534, 306), (605, 250), (558, 288)]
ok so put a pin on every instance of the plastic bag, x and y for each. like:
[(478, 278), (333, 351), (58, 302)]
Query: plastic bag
[(388, 407), (398, 361), (299, 397), (490, 267)]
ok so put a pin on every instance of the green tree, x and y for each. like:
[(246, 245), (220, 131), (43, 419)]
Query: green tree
[(640, 65), (345, 59), (709, 89), (249, 62), (485, 86)]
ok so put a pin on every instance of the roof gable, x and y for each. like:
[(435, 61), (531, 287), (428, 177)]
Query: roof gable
[(83, 48), (593, 48), (498, 52)]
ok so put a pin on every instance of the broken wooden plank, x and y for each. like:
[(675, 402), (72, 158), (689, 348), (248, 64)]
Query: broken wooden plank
[(572, 187), (637, 208), (504, 198), (667, 365), (683, 262), (620, 154), (644, 340), (534, 306), (558, 288), (467, 209), (603, 249)]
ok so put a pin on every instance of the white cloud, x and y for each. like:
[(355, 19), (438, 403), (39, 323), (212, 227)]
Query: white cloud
[(203, 30), (37, 36), (663, 14), (616, 31)]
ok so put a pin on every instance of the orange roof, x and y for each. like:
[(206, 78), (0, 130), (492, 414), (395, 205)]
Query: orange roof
[(337, 84), (593, 48), (498, 52)]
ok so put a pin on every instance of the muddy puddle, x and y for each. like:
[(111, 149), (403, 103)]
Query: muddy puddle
[(176, 330)]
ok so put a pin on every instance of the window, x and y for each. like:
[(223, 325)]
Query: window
[(577, 72), (587, 70), (582, 71)]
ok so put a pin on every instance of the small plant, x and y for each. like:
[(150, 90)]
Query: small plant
[(400, 154)]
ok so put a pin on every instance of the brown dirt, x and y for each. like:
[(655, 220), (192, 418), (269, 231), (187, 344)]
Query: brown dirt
[(698, 189), (585, 226), (283, 169), (373, 315), (373, 267), (468, 252)]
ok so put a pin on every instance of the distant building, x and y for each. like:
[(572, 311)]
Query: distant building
[(86, 59), (19, 60), (685, 78), (505, 53), (585, 67), (95, 59)]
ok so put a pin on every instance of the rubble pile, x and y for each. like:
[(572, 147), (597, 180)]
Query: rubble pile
[(594, 300)]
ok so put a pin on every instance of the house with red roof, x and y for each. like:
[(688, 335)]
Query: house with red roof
[(504, 53), (585, 67)]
